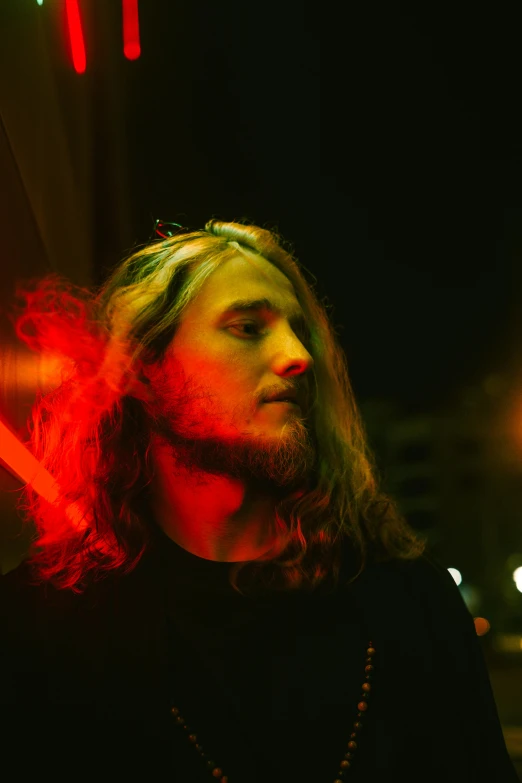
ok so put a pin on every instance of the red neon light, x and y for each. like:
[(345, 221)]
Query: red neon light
[(131, 30), (76, 35), (21, 463)]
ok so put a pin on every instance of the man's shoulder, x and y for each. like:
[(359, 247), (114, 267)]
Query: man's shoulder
[(425, 572), (403, 596), (423, 577), (19, 582), (430, 580), (23, 592)]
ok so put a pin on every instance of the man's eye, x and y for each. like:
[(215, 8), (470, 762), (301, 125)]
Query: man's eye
[(247, 325)]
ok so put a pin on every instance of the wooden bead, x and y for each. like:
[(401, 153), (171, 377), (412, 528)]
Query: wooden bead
[(362, 706)]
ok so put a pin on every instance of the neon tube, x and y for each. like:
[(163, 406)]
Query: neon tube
[(74, 24), (131, 30), (27, 468)]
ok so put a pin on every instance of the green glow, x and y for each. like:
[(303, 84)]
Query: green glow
[(40, 2)]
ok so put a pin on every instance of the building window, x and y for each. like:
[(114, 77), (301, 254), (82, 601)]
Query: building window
[(467, 446), (417, 451), (468, 482), (416, 486)]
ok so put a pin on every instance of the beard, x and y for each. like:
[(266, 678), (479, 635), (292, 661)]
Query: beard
[(263, 463), (278, 465)]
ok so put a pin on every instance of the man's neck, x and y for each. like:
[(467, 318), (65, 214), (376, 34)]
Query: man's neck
[(213, 517)]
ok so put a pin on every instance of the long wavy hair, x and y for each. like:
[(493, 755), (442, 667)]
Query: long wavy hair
[(91, 431)]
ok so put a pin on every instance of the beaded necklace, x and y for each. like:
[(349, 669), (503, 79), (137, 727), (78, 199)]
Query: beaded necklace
[(217, 772)]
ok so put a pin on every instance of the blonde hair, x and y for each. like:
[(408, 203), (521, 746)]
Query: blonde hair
[(91, 431)]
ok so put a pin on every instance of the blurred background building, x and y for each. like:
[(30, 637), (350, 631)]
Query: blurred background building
[(457, 473)]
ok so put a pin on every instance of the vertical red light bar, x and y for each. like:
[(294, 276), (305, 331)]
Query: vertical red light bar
[(131, 30), (74, 24)]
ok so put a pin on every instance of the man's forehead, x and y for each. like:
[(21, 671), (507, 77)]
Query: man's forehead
[(248, 268), (262, 303), (250, 280)]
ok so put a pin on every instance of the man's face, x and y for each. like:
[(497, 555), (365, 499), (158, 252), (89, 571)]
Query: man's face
[(209, 405)]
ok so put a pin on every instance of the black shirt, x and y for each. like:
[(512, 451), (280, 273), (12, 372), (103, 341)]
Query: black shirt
[(269, 686)]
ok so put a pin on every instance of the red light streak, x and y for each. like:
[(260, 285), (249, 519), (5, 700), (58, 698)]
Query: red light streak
[(131, 30), (22, 464), (74, 24)]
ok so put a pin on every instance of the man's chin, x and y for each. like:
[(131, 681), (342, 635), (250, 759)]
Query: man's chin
[(254, 463), (274, 481)]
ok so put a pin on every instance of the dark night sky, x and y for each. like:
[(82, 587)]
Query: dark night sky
[(384, 142)]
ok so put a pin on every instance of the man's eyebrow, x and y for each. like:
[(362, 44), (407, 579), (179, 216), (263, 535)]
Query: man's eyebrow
[(296, 320)]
